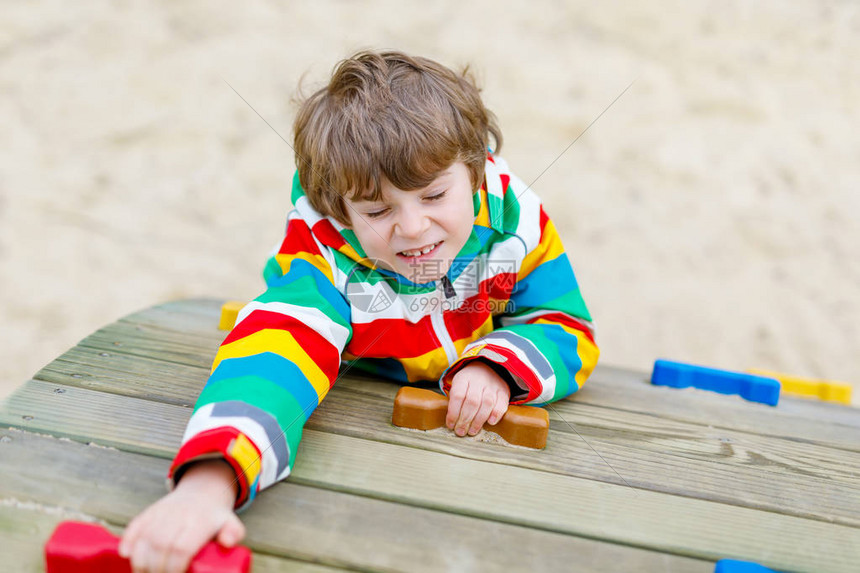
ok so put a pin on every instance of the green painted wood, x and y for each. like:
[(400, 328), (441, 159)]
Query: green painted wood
[(434, 480), (313, 525), (596, 443)]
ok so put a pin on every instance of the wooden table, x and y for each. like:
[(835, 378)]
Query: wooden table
[(634, 477)]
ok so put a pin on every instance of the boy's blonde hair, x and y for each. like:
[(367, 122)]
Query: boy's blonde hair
[(388, 115)]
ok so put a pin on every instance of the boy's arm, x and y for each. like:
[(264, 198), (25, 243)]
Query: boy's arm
[(272, 370), (546, 340), (167, 535)]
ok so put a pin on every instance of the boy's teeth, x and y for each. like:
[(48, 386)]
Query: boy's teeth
[(423, 251)]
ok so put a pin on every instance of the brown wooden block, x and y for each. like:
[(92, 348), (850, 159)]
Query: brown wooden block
[(524, 426), (423, 409), (419, 409)]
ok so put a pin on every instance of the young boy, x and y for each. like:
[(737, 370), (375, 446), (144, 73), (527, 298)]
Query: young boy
[(412, 253)]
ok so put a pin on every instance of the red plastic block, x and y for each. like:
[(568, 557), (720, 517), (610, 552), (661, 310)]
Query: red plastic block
[(78, 547)]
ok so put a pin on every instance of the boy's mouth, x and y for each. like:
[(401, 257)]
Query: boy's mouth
[(417, 253)]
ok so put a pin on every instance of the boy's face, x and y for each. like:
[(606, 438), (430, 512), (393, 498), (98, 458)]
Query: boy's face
[(417, 233)]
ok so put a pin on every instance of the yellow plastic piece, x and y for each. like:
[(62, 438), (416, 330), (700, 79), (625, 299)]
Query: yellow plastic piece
[(822, 389), (229, 312)]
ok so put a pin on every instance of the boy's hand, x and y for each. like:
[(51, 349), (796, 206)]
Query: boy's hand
[(477, 395), (167, 534)]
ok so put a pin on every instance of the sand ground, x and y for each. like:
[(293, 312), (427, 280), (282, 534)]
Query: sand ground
[(710, 212)]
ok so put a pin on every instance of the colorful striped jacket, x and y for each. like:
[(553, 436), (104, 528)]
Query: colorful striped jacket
[(510, 297)]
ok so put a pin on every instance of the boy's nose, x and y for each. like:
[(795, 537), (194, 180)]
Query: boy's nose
[(412, 224)]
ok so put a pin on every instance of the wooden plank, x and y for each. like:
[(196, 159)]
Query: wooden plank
[(623, 388), (138, 341), (101, 418), (744, 452), (560, 503), (25, 528), (127, 375), (576, 506), (612, 446), (723, 412), (266, 563), (724, 481), (731, 467), (24, 532), (337, 529), (620, 389), (178, 384), (657, 434), (199, 317)]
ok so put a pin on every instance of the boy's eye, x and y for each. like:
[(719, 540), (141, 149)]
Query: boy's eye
[(436, 196), (378, 213)]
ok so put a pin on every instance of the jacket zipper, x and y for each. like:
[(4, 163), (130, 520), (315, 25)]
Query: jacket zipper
[(438, 322)]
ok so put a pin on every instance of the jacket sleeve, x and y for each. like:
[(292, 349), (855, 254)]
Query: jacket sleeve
[(545, 340), (272, 370)]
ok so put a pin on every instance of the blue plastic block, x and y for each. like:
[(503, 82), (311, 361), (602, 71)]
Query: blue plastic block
[(679, 375), (735, 566)]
